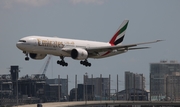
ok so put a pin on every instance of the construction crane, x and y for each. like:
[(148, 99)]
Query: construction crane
[(46, 65)]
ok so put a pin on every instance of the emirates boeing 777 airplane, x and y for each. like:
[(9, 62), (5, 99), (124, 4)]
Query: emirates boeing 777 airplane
[(38, 47)]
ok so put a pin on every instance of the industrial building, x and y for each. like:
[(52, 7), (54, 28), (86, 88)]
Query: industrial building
[(133, 95), (6, 86), (63, 84), (173, 87), (84, 92), (30, 89), (134, 80), (92, 89), (101, 85), (134, 88), (159, 72)]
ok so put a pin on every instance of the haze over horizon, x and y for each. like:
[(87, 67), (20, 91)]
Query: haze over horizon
[(91, 20)]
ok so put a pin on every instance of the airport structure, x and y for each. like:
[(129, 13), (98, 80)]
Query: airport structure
[(101, 85), (162, 78), (92, 89), (82, 93), (30, 89), (173, 86), (133, 95), (134, 88), (134, 80), (37, 88), (63, 84)]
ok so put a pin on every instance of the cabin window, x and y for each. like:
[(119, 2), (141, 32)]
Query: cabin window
[(22, 41)]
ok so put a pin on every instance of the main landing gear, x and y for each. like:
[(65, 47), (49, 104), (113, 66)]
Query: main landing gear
[(62, 62), (26, 58), (85, 63)]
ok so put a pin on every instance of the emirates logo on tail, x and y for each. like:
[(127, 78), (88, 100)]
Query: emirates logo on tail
[(120, 33)]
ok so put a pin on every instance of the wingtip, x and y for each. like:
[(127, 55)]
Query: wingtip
[(159, 40)]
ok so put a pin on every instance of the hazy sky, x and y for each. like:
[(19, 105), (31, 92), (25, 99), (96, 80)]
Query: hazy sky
[(91, 20)]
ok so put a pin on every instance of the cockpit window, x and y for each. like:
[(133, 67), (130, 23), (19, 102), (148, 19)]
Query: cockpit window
[(22, 41)]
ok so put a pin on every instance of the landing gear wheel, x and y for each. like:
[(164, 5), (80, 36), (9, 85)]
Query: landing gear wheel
[(85, 63), (27, 58), (81, 62), (66, 64), (62, 62), (58, 62), (89, 64)]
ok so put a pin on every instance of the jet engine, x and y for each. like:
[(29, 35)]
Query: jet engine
[(79, 54), (37, 56)]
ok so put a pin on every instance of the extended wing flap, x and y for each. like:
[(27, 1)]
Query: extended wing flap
[(138, 48)]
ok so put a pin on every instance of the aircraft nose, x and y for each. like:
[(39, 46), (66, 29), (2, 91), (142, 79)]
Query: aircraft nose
[(18, 45)]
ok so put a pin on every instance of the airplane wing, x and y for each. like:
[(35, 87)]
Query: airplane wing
[(94, 50), (119, 47)]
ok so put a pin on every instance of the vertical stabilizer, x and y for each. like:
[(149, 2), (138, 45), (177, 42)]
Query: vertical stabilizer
[(120, 33)]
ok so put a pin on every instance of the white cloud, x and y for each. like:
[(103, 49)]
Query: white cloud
[(88, 1), (35, 3), (6, 4)]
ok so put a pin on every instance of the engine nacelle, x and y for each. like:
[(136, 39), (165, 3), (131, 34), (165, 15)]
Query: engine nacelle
[(37, 56), (79, 54)]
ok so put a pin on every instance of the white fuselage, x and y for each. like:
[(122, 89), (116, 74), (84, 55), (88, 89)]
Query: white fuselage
[(38, 47), (54, 45)]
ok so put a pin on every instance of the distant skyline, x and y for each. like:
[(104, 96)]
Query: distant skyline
[(91, 20)]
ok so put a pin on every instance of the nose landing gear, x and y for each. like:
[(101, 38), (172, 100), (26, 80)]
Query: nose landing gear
[(26, 58)]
